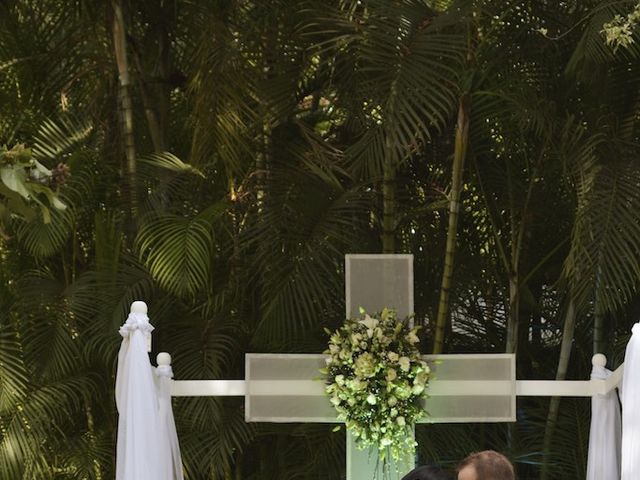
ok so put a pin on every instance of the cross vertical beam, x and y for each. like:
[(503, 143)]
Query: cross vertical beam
[(374, 282)]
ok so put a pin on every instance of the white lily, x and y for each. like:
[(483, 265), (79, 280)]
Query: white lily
[(369, 322)]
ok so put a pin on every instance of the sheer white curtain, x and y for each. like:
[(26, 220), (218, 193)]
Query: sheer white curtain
[(172, 460), (147, 446), (605, 432), (631, 408)]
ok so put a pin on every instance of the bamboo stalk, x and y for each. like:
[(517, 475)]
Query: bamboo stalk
[(389, 207), (513, 322), (561, 374), (120, 48), (459, 155)]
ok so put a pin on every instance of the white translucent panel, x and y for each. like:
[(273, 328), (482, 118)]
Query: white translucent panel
[(374, 282), (361, 464), (472, 388), (286, 388), (465, 388)]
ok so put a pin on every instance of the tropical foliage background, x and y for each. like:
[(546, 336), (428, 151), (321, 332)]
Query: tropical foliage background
[(223, 157)]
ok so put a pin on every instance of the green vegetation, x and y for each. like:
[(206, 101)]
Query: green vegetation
[(225, 155)]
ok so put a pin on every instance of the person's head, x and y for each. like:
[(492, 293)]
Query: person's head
[(487, 465), (427, 472)]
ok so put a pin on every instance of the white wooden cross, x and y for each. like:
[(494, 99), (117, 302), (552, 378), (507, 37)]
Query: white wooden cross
[(281, 387)]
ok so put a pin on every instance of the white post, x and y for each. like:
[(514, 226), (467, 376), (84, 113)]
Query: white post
[(141, 307), (171, 460), (605, 431)]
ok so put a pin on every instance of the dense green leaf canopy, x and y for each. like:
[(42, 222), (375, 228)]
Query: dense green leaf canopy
[(225, 155)]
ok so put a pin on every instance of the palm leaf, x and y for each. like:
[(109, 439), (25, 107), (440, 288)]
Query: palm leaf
[(44, 239), (177, 251), (604, 262)]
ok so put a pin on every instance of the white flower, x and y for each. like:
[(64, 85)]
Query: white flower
[(334, 348), (392, 356), (391, 375), (401, 421), (411, 337), (405, 363), (417, 389), (371, 399), (365, 365), (358, 384), (355, 338), (340, 379), (403, 391), (392, 401), (335, 400), (369, 322), (386, 441), (393, 412)]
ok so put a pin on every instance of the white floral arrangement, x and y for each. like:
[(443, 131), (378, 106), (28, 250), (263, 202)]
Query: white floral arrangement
[(377, 380)]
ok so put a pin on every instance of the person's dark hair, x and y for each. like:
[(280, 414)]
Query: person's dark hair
[(489, 465), (427, 472)]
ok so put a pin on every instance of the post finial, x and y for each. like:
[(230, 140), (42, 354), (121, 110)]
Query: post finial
[(163, 359), (599, 360), (139, 307)]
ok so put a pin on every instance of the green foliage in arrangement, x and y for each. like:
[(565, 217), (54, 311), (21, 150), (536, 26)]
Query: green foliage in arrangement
[(377, 381), (223, 166)]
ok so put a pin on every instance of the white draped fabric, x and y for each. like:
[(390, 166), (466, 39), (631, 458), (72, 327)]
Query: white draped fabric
[(147, 442), (605, 433), (171, 459), (631, 408)]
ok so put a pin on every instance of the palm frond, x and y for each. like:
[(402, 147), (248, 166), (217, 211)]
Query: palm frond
[(44, 239), (177, 251), (13, 373), (604, 263)]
